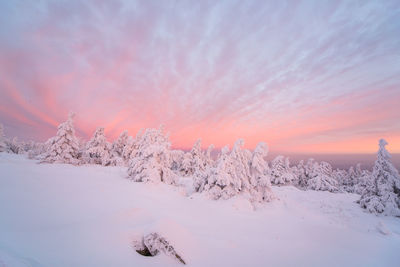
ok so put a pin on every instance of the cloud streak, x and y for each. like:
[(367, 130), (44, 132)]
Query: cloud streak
[(304, 76)]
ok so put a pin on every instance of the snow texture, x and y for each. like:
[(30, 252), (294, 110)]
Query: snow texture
[(64, 215)]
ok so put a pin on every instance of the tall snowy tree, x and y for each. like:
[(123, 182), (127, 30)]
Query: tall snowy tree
[(383, 194), (152, 161), (218, 180), (260, 179), (97, 149), (64, 147)]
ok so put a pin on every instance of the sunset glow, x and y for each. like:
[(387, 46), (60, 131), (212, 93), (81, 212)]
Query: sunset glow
[(305, 77)]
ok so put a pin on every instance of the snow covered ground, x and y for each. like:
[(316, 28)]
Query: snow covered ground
[(62, 215)]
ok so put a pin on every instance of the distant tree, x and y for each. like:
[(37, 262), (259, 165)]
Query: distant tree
[(132, 147), (152, 161), (383, 193), (97, 149), (64, 147)]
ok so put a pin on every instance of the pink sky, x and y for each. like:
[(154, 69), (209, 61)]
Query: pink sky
[(305, 77)]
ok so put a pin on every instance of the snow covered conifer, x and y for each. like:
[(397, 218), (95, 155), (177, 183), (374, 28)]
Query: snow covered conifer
[(64, 147), (194, 161), (231, 174), (260, 179), (218, 182), (281, 172), (152, 161), (97, 149), (383, 194), (321, 178), (117, 149)]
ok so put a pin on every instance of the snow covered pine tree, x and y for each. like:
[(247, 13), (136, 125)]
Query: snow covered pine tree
[(97, 150), (260, 179), (152, 161), (383, 194), (64, 147), (117, 149)]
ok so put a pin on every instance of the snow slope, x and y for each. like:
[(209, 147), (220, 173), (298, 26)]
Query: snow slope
[(62, 215)]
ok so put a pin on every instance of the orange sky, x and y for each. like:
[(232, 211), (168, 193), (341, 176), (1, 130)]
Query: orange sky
[(307, 78)]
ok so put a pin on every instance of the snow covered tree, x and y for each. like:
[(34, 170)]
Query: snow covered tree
[(259, 170), (14, 146), (176, 160), (218, 181), (341, 176), (383, 194), (202, 175), (280, 171), (364, 181), (2, 139), (194, 161), (186, 164), (152, 161), (230, 176), (97, 149), (64, 147), (132, 147), (321, 178), (117, 149), (355, 180)]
